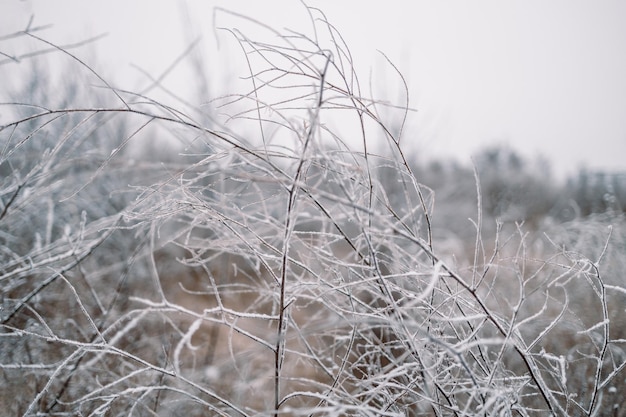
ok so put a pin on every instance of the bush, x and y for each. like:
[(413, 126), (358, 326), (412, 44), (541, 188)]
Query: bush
[(295, 274)]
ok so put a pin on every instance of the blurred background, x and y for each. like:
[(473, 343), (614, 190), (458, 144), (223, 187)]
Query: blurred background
[(541, 78)]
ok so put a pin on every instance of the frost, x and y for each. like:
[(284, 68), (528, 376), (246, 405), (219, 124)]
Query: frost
[(283, 264)]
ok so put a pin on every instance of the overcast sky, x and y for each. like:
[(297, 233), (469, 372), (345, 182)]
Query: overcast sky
[(544, 76)]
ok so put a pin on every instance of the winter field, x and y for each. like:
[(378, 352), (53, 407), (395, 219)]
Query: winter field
[(280, 251)]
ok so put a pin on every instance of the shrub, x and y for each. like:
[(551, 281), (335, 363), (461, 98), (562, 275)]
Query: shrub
[(295, 274)]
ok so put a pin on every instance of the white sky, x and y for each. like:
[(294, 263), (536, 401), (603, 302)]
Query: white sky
[(545, 76)]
